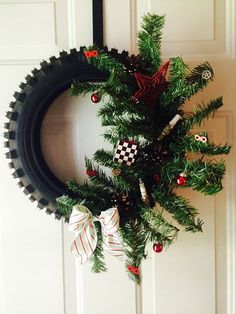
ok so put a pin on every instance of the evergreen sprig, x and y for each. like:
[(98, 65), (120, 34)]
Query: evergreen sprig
[(160, 230), (183, 86), (104, 157), (149, 40), (180, 208), (189, 144), (82, 88), (202, 112), (135, 239), (100, 179), (205, 177), (65, 204), (97, 259)]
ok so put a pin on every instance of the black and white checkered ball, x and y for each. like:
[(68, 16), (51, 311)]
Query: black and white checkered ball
[(125, 152)]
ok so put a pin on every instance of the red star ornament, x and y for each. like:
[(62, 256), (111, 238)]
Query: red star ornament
[(150, 87)]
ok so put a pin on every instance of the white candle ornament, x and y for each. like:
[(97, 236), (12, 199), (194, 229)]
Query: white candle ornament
[(169, 127), (143, 191), (176, 118)]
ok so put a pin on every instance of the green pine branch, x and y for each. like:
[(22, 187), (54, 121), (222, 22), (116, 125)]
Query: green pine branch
[(97, 259), (205, 177), (104, 157), (112, 89), (178, 70), (189, 144), (101, 179), (182, 86), (111, 136), (180, 208), (105, 62), (111, 109), (131, 126), (110, 186), (159, 228), (96, 198), (196, 77), (82, 88), (65, 204), (201, 112), (134, 239), (149, 40)]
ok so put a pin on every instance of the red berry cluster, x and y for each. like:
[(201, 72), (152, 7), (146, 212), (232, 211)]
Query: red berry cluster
[(134, 270)]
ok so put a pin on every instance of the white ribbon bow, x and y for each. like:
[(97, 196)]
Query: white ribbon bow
[(85, 241)]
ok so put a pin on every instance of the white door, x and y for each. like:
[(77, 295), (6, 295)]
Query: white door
[(38, 275)]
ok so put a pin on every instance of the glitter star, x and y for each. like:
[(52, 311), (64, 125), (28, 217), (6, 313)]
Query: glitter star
[(150, 87)]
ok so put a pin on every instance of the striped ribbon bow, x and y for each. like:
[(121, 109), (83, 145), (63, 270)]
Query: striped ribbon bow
[(85, 240)]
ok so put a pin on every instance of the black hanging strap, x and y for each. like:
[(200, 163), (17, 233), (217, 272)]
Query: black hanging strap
[(98, 22)]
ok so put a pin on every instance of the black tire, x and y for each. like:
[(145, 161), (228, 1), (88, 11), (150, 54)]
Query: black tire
[(25, 119)]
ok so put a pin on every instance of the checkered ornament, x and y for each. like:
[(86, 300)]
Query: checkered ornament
[(125, 152)]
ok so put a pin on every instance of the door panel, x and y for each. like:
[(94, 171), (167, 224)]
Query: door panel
[(193, 29), (31, 243), (192, 272), (192, 275), (38, 275)]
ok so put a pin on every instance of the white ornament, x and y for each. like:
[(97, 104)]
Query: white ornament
[(199, 138), (176, 118), (143, 191), (125, 152), (206, 74)]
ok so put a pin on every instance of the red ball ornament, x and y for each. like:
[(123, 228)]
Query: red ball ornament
[(181, 180), (157, 247), (157, 178), (95, 97)]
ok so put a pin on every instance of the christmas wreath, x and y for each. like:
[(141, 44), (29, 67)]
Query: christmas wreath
[(131, 187)]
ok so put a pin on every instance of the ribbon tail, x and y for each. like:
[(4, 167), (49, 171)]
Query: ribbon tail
[(113, 245), (84, 243), (110, 222)]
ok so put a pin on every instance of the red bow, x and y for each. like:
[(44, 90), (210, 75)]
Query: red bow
[(93, 53), (134, 270)]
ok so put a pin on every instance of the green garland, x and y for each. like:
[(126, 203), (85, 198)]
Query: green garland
[(159, 163)]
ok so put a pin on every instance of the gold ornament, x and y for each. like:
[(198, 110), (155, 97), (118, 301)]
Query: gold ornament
[(116, 172)]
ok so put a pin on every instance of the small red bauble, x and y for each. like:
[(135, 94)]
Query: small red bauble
[(157, 178), (95, 97), (91, 172), (157, 247), (181, 180)]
